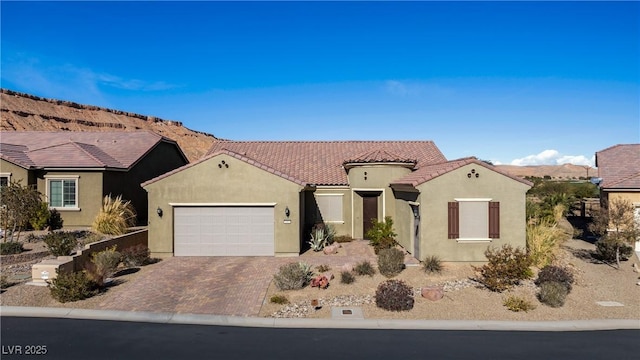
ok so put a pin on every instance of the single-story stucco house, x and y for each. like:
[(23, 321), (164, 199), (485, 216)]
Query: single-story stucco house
[(619, 173), (262, 198), (75, 170)]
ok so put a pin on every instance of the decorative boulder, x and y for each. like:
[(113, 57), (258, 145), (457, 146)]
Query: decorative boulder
[(320, 281), (432, 293), (331, 249)]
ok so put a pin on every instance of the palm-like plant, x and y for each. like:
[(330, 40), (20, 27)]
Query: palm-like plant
[(115, 216)]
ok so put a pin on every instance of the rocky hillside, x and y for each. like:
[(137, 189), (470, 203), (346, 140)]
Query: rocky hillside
[(561, 172), (19, 111)]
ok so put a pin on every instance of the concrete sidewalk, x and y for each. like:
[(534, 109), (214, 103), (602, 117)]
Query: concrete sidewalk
[(220, 320)]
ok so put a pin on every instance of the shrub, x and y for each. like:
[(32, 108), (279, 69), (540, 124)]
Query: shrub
[(553, 293), (390, 262), (342, 238), (293, 276), (381, 234), (346, 277), (106, 262), (319, 237), (506, 267), (364, 268), (323, 268), (557, 274), (543, 241), (40, 219), (72, 287), (515, 303), (115, 216), (11, 247), (4, 282), (394, 295), (137, 255), (606, 248), (60, 243), (279, 299), (431, 264), (55, 220)]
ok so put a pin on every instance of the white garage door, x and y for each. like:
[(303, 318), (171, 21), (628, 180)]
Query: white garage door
[(223, 231)]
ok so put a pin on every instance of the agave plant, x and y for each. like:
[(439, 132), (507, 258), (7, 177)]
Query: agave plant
[(318, 238)]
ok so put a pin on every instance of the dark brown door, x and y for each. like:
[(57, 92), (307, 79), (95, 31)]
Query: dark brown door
[(369, 211)]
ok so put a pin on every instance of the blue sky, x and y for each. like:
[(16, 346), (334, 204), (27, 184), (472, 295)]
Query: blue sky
[(512, 82)]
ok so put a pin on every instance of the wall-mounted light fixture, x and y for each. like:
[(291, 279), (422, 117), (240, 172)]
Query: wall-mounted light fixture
[(159, 211), (287, 212)]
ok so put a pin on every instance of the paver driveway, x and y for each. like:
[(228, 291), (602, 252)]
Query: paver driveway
[(216, 285)]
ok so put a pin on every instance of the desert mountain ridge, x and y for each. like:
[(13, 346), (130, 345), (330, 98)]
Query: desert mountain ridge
[(25, 112)]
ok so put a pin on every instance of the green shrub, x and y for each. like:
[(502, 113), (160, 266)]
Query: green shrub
[(394, 295), (342, 238), (279, 299), (4, 282), (432, 264), (137, 255), (106, 262), (606, 249), (553, 293), (390, 262), (72, 287), (381, 234), (293, 276), (115, 216), (40, 219), (11, 247), (516, 304), (557, 274), (364, 268), (506, 267), (55, 220), (60, 243), (346, 277)]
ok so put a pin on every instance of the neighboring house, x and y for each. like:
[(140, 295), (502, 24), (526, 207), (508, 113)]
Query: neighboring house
[(619, 171), (262, 198), (75, 170)]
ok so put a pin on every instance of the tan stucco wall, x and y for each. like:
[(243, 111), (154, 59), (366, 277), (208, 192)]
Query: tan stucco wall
[(633, 197), (378, 177), (239, 183), (435, 195), (89, 196), (17, 173)]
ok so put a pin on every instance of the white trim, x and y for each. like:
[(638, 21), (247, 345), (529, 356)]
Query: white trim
[(474, 240), (7, 175), (329, 187), (414, 203), (472, 199), (329, 194), (76, 178), (223, 204)]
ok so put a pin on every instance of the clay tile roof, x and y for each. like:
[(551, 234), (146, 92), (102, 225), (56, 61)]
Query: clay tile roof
[(619, 166), (321, 162), (431, 172), (378, 156), (47, 149)]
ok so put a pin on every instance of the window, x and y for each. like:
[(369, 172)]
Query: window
[(4, 181), (330, 207), (474, 219), (62, 192)]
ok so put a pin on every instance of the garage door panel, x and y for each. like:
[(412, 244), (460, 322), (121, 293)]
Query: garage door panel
[(224, 231)]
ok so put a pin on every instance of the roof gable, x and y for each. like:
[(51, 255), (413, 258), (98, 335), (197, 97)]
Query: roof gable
[(619, 166), (431, 172), (45, 149)]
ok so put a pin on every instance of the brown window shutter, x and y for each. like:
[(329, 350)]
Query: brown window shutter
[(454, 220), (494, 220)]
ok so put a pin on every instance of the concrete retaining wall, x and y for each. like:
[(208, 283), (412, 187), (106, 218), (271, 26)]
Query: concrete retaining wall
[(48, 269)]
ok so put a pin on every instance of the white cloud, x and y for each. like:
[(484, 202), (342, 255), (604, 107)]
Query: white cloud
[(553, 157)]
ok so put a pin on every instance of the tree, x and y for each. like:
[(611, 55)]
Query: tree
[(617, 225), (18, 204)]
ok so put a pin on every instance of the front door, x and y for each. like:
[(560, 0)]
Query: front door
[(369, 211)]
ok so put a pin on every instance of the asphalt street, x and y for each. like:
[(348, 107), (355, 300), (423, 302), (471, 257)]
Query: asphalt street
[(55, 338)]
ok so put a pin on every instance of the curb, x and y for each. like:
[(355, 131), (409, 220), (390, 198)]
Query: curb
[(369, 324)]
